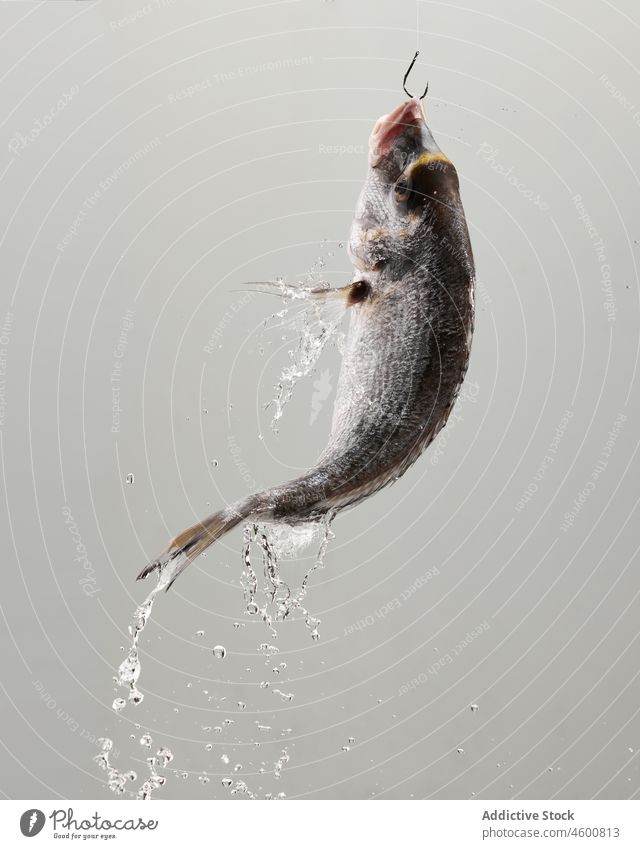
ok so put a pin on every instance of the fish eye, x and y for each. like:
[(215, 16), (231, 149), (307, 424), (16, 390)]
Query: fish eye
[(402, 190)]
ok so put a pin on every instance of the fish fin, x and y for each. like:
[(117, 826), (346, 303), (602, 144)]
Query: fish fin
[(299, 291), (188, 545)]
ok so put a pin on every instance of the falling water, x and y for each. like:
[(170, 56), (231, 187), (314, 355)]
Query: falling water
[(129, 669), (275, 600), (315, 325), (279, 600)]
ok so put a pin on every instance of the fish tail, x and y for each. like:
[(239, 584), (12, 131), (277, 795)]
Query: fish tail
[(190, 544)]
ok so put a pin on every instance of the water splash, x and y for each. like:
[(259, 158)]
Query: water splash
[(272, 598), (279, 599), (130, 668), (315, 326), (116, 780)]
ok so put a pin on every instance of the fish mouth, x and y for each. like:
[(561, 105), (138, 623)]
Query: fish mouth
[(408, 118)]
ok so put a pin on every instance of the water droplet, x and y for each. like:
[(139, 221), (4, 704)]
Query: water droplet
[(164, 755), (219, 652), (214, 463), (208, 747), (474, 708), (286, 697), (118, 704), (252, 608), (130, 478)]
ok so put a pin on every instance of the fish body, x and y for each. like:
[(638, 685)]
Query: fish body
[(407, 349)]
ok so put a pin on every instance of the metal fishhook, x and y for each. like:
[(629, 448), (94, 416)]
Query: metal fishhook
[(404, 81)]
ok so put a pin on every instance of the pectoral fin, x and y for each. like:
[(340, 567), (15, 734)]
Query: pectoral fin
[(300, 292)]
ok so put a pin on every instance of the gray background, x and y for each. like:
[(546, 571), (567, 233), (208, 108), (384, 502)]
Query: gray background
[(536, 102)]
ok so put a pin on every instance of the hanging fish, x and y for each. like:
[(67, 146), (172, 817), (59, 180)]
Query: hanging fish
[(411, 307)]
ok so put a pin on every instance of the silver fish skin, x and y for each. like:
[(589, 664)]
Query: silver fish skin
[(407, 350)]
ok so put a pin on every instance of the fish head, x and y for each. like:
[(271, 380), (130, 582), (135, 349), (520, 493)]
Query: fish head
[(410, 185)]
